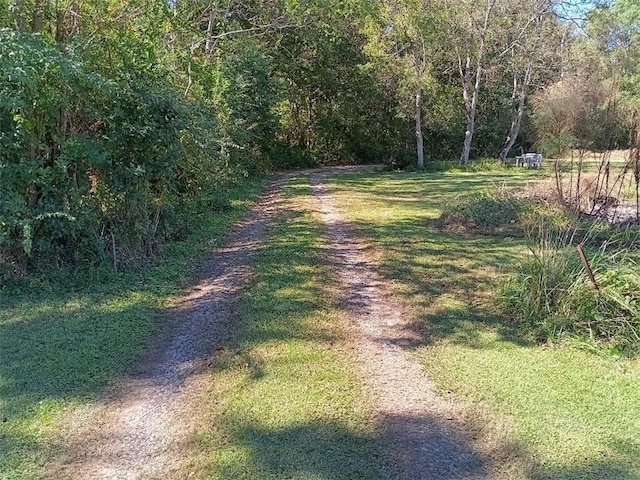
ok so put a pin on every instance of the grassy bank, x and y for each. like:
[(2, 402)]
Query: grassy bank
[(65, 337), (569, 413), (285, 402)]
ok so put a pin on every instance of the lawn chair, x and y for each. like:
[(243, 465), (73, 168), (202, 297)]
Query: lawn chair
[(529, 160)]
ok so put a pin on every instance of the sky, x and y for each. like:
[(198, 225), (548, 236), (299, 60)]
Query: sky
[(577, 9)]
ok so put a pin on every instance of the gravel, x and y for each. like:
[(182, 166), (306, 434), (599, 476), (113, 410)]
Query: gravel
[(143, 429), (417, 427)]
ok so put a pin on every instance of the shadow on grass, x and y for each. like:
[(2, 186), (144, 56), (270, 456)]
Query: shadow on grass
[(69, 347), (65, 343), (327, 449), (322, 449), (452, 279), (64, 350)]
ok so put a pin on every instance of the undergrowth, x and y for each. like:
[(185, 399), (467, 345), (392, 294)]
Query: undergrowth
[(476, 165), (552, 296), (488, 213), (499, 211)]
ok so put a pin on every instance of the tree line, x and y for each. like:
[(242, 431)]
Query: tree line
[(120, 119)]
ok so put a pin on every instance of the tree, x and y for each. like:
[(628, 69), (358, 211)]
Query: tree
[(495, 40), (532, 55), (404, 38), (595, 100), (468, 29)]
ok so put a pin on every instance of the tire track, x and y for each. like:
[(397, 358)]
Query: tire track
[(143, 430), (416, 425)]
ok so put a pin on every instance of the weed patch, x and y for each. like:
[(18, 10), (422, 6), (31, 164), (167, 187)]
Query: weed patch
[(485, 213), (552, 296)]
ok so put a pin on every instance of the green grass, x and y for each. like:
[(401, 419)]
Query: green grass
[(66, 337), (285, 401), (570, 413), (576, 414)]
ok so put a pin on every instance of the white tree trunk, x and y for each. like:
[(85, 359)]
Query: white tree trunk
[(419, 137), (472, 103), (516, 119), (470, 106), (468, 137)]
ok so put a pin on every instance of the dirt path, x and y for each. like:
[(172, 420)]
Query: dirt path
[(143, 430), (417, 426)]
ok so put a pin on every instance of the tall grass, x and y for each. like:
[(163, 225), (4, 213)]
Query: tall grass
[(552, 295)]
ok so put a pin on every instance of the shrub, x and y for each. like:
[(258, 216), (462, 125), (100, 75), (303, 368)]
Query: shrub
[(551, 296), (497, 212), (96, 170)]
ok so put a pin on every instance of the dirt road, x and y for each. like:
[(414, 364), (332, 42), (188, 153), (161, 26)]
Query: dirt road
[(142, 430)]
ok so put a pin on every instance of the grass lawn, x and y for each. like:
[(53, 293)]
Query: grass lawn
[(64, 340), (570, 413)]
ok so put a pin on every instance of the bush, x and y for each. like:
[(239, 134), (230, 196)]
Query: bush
[(96, 170), (43, 97), (551, 296), (497, 212)]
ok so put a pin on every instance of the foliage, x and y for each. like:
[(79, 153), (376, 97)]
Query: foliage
[(43, 98), (95, 170), (487, 213), (129, 117), (577, 112), (552, 296)]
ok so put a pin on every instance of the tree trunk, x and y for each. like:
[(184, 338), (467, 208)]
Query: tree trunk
[(471, 103), (38, 16), (516, 119), (470, 106), (468, 136), (419, 138), (20, 15)]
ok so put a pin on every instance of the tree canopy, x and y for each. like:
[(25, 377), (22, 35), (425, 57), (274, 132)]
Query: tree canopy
[(118, 119)]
